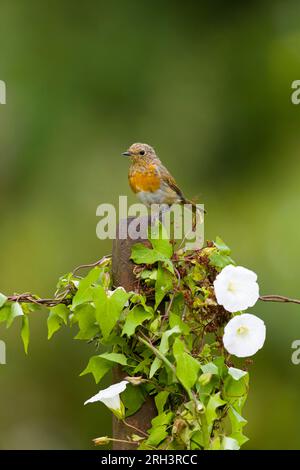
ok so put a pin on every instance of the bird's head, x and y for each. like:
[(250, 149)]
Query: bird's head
[(140, 151)]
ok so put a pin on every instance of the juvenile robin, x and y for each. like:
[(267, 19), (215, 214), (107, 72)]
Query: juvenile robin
[(149, 178)]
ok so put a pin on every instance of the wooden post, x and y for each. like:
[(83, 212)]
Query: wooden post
[(123, 275)]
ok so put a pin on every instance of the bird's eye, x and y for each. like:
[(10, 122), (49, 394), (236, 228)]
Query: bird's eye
[(142, 152)]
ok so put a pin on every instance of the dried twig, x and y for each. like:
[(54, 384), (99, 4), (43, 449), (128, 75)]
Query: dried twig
[(62, 299), (278, 298)]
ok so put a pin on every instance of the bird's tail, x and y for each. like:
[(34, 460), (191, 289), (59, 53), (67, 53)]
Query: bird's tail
[(195, 207)]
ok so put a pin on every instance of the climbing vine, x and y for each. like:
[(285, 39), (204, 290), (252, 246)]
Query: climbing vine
[(175, 337)]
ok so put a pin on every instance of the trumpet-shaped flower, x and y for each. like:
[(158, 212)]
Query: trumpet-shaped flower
[(111, 398), (244, 335), (236, 288)]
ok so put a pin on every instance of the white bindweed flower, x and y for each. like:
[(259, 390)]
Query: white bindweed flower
[(244, 335), (236, 288), (111, 398)]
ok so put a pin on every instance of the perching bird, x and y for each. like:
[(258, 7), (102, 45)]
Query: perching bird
[(150, 180)]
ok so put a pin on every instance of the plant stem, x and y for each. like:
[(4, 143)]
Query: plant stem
[(117, 440), (158, 354), (136, 429), (278, 298)]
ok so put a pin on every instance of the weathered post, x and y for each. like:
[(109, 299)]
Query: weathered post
[(123, 275)]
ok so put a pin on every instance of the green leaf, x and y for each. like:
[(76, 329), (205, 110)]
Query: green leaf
[(86, 317), (163, 349), (240, 438), (141, 254), (109, 308), (214, 402), (237, 423), (164, 344), (157, 435), (222, 247), (229, 444), (164, 284), (85, 290), (57, 317), (115, 357), (25, 332), (156, 364), (141, 299), (175, 320), (206, 384), (216, 443), (133, 398), (101, 364), (15, 311), (196, 439), (98, 367), (178, 304), (187, 368), (160, 400), (175, 316), (235, 391), (218, 260), (236, 374), (210, 368), (162, 419), (5, 313), (219, 361), (160, 241), (162, 249), (149, 274), (3, 299), (135, 318)]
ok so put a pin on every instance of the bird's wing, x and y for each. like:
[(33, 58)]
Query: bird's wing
[(168, 178)]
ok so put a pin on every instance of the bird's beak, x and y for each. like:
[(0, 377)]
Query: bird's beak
[(126, 154)]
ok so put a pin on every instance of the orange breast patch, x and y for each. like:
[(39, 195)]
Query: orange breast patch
[(144, 181)]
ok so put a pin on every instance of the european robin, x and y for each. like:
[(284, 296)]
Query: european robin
[(149, 178)]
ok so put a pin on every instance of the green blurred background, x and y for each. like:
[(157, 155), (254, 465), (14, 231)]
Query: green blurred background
[(208, 84)]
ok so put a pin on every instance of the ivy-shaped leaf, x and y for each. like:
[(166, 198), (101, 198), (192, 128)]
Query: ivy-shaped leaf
[(210, 368), (162, 249), (85, 290), (15, 311), (235, 391), (164, 283), (237, 423), (187, 368), (219, 261), (222, 247), (5, 313), (156, 436), (236, 374), (160, 400), (160, 241), (86, 318), (3, 299), (25, 332), (109, 308), (214, 402), (115, 357), (135, 318), (229, 444), (141, 254), (101, 364), (132, 398), (57, 317)]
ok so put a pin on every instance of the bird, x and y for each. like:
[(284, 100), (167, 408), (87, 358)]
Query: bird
[(150, 180)]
